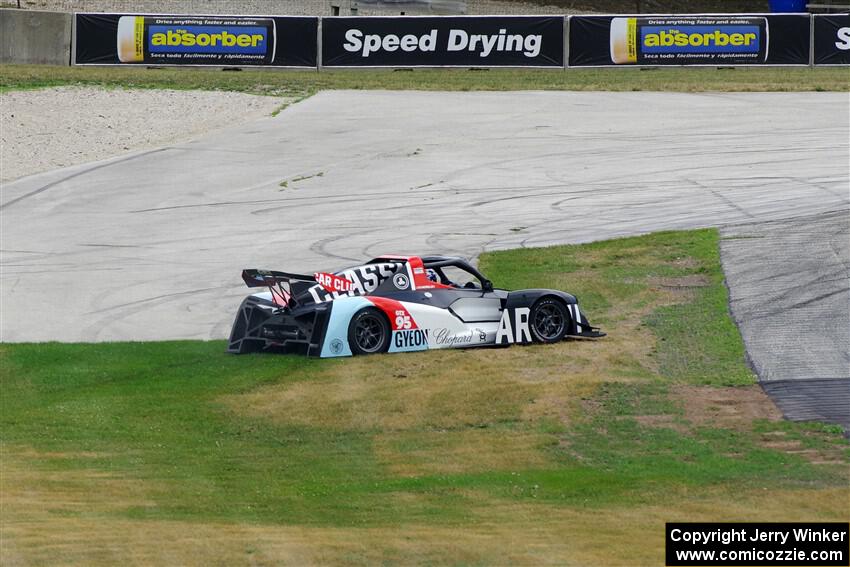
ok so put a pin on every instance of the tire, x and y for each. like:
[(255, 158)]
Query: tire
[(549, 320), (369, 332)]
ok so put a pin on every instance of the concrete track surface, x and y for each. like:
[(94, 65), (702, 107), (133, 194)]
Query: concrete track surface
[(150, 246)]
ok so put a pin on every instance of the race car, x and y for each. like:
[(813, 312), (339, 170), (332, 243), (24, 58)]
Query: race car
[(398, 304)]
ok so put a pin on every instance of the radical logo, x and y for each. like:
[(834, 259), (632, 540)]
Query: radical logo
[(401, 281)]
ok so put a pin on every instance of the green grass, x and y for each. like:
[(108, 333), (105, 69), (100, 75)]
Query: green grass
[(158, 421), (304, 83), (178, 419), (699, 343)]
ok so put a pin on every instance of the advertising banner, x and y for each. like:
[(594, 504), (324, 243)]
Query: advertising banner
[(832, 39), (716, 40), (450, 41), (221, 41)]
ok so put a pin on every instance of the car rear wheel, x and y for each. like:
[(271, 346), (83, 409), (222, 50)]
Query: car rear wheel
[(369, 332), (549, 320)]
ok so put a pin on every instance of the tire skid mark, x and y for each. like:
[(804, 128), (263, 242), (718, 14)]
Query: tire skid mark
[(80, 174), (320, 247), (121, 313), (731, 204), (152, 299), (757, 315)]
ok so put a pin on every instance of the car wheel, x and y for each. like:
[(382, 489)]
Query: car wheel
[(549, 320), (369, 332)]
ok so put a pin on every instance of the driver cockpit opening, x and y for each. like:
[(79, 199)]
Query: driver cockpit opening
[(455, 272)]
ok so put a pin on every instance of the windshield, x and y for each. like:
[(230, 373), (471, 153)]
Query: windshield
[(458, 277)]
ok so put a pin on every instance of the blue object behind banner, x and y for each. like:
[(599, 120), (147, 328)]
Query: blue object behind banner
[(787, 5)]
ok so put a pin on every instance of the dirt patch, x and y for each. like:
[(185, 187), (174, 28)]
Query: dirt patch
[(685, 262), (730, 408), (737, 408), (679, 289), (779, 441)]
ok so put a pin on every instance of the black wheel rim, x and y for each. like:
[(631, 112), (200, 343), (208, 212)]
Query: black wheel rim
[(369, 333), (549, 322)]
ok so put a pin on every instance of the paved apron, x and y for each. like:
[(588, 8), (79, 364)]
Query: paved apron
[(789, 284), (150, 246)]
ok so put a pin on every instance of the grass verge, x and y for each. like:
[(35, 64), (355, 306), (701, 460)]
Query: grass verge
[(569, 453), (299, 84)]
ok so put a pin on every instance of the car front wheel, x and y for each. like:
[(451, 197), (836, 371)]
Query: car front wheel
[(549, 320)]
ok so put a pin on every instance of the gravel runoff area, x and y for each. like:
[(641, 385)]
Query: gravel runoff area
[(51, 128)]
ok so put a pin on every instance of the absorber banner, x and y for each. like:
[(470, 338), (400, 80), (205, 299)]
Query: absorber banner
[(716, 40), (221, 41)]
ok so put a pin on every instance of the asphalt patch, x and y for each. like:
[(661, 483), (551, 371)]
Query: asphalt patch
[(789, 288)]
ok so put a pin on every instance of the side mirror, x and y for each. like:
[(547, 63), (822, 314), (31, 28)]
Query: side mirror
[(487, 285)]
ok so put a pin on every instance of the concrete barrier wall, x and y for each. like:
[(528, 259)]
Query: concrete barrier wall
[(30, 36), (291, 7), (349, 7)]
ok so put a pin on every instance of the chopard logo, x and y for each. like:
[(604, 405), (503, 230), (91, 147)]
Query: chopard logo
[(444, 337)]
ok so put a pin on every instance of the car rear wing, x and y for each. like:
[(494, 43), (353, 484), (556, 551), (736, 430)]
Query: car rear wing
[(280, 284)]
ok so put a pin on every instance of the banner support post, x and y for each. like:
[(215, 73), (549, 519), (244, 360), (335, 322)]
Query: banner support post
[(319, 44), (811, 40), (73, 60)]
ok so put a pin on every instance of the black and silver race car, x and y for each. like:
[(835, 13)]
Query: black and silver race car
[(398, 304)]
